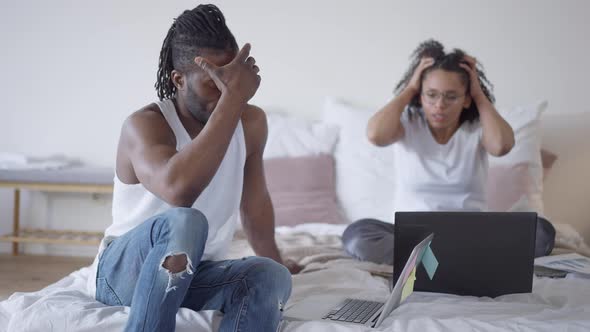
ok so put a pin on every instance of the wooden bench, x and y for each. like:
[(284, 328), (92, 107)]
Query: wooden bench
[(76, 179)]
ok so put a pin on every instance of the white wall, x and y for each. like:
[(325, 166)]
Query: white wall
[(73, 70)]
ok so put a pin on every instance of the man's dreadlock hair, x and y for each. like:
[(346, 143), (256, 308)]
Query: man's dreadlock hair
[(192, 31), (448, 62)]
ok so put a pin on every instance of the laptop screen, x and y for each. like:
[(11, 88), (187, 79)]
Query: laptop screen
[(480, 253)]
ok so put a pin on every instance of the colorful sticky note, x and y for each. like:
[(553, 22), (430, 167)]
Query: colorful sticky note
[(412, 266), (409, 285), (430, 262), (422, 254)]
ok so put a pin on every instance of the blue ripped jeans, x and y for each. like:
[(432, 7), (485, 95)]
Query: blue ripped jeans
[(250, 292)]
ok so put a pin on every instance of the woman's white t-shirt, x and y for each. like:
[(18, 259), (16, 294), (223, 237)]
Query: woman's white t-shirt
[(439, 177)]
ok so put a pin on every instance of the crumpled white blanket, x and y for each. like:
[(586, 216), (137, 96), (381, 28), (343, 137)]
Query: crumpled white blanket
[(554, 305)]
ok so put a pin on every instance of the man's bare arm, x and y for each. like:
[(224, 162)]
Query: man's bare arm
[(180, 177), (256, 205)]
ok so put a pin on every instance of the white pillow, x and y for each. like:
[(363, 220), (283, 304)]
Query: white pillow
[(526, 123), (289, 136), (364, 172)]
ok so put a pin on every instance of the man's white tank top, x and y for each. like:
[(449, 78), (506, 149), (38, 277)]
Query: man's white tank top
[(219, 202)]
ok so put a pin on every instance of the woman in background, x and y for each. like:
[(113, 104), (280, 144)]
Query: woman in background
[(443, 125)]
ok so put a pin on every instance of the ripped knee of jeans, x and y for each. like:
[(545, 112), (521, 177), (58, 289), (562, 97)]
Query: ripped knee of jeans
[(176, 273)]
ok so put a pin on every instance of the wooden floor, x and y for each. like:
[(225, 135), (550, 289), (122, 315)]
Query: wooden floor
[(30, 273)]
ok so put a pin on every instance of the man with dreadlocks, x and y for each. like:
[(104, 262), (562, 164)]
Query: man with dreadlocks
[(443, 124), (186, 166)]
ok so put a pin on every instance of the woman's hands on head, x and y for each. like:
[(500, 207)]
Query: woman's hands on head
[(415, 81), (470, 65)]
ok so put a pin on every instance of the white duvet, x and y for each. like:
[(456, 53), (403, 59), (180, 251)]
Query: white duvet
[(554, 305)]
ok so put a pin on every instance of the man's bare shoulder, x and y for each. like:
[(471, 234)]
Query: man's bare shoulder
[(253, 115), (146, 118), (255, 128), (145, 115), (147, 122)]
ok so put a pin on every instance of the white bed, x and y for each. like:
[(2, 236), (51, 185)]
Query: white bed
[(554, 305), (364, 189)]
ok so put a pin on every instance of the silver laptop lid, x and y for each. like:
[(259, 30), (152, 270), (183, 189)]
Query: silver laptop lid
[(396, 295)]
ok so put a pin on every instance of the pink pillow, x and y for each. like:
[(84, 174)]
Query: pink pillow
[(303, 190), (506, 185)]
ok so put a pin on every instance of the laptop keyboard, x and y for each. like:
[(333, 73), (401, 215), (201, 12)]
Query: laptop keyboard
[(355, 311)]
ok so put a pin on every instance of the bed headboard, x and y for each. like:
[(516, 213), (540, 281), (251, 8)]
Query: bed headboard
[(566, 192)]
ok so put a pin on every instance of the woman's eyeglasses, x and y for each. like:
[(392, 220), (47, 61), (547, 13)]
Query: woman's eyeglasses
[(432, 97)]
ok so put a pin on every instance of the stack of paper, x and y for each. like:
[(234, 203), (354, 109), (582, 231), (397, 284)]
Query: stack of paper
[(573, 263)]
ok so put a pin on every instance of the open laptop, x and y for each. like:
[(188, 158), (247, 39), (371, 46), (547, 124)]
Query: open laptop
[(368, 312), (484, 253)]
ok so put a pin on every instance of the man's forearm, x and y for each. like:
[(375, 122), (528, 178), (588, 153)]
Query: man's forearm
[(267, 247), (260, 230), (195, 165), (262, 240)]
